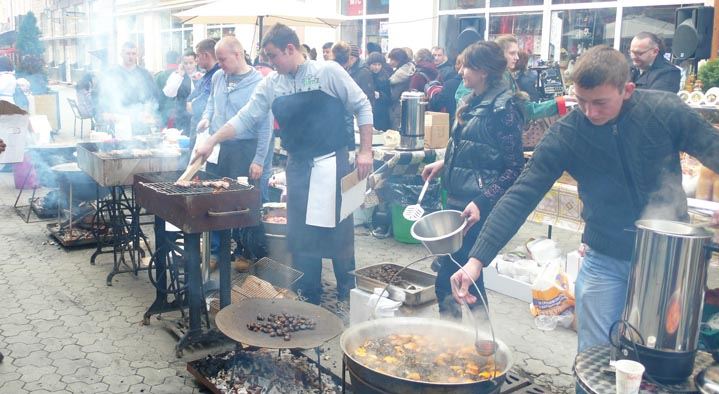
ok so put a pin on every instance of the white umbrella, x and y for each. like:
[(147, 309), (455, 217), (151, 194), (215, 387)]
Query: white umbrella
[(266, 12), (634, 24)]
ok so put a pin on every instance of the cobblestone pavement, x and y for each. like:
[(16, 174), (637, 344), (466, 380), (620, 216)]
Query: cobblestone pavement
[(63, 330)]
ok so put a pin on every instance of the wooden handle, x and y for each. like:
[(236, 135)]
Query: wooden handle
[(191, 170)]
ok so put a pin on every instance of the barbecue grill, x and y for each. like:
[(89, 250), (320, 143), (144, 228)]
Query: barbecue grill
[(115, 163), (197, 209), (194, 210)]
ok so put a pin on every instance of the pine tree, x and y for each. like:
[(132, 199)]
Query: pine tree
[(28, 37), (31, 52)]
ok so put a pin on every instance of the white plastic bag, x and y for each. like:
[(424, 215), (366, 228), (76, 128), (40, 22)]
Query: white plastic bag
[(552, 298)]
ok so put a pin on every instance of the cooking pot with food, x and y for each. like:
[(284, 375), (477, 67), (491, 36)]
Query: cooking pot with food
[(421, 355)]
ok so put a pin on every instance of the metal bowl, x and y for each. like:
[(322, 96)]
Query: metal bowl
[(440, 232)]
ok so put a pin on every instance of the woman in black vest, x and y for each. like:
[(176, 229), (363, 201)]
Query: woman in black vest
[(483, 158)]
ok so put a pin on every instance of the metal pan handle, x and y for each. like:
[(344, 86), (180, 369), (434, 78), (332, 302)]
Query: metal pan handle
[(214, 214), (279, 236)]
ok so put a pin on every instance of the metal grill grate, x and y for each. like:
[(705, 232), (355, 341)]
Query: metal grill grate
[(170, 189)]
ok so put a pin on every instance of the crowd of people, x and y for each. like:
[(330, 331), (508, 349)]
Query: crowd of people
[(621, 144)]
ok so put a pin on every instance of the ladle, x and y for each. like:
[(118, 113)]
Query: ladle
[(484, 347)]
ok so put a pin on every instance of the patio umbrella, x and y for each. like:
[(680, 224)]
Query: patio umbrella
[(635, 24), (262, 13)]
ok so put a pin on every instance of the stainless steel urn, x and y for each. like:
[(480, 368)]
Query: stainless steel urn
[(412, 122), (665, 297)]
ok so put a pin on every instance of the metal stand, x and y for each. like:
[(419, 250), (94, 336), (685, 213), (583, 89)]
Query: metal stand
[(186, 287), (116, 227)]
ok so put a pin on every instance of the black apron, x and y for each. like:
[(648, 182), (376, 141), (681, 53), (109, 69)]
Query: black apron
[(312, 124)]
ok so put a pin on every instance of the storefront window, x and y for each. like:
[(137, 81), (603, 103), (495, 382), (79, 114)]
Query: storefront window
[(514, 3), (658, 20), (526, 27), (351, 31), (451, 25), (377, 33), (352, 7), (377, 7), (577, 1), (217, 32), (461, 4), (574, 31)]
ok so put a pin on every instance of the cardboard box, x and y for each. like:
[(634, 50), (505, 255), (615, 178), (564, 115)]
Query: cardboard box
[(503, 284), (436, 130), (14, 125)]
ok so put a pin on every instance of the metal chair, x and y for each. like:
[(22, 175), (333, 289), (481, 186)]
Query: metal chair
[(78, 116)]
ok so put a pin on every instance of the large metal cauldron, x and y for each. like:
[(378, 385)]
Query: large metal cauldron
[(665, 297), (366, 380)]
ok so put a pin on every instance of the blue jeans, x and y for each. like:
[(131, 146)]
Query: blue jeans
[(601, 292)]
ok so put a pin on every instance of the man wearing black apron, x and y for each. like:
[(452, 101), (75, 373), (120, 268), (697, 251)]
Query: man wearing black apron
[(309, 99)]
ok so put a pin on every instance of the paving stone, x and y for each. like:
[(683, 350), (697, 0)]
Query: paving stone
[(11, 330), (154, 376), (50, 382), (140, 388), (12, 387), (56, 344), (31, 373), (21, 349), (87, 375), (67, 366), (81, 387), (119, 384), (37, 358)]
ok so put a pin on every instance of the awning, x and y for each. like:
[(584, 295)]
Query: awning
[(293, 13), (8, 38)]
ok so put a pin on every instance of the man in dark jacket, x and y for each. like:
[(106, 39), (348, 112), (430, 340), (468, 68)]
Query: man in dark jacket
[(650, 69), (622, 146), (445, 67)]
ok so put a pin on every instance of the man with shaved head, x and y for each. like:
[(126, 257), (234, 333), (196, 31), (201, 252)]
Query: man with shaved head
[(248, 153)]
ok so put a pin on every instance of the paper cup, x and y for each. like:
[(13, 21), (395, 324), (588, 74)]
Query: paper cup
[(629, 376)]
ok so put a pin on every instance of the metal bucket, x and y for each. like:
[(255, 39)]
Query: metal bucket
[(440, 232), (665, 296)]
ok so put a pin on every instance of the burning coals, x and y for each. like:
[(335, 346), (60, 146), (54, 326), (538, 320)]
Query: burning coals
[(264, 371), (281, 325)]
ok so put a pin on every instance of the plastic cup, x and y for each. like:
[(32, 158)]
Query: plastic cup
[(629, 376)]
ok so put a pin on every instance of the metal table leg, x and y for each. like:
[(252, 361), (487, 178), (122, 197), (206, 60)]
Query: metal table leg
[(225, 268)]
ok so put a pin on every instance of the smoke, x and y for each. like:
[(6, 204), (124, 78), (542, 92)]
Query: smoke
[(668, 201)]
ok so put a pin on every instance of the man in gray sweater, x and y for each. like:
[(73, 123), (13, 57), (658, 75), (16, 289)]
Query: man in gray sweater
[(309, 100), (622, 146)]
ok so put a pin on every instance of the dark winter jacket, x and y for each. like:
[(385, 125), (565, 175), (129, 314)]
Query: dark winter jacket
[(361, 74), (446, 71), (662, 75), (625, 170), (444, 101), (484, 154), (382, 104), (527, 82)]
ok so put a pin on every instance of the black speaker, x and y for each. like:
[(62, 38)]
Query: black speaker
[(693, 32)]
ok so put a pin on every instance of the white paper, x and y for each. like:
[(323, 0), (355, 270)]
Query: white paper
[(201, 138), (322, 196), (353, 198), (13, 131)]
